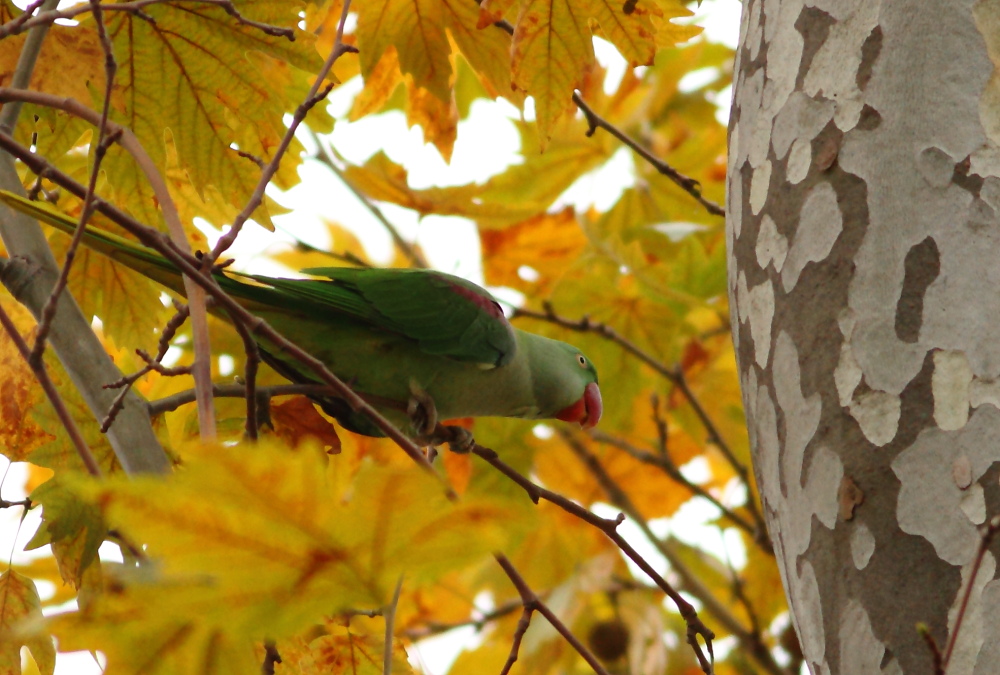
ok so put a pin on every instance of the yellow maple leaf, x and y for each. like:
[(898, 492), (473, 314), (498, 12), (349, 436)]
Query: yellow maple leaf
[(264, 546), (20, 608), (338, 647), (192, 75), (53, 72), (419, 31), (553, 47)]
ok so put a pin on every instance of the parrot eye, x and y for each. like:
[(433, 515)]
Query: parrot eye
[(582, 360)]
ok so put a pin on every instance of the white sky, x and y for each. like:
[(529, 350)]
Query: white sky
[(487, 142)]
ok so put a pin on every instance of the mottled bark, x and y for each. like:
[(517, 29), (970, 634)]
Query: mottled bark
[(865, 291)]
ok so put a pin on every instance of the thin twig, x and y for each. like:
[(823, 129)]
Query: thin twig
[(985, 539), (610, 530), (86, 362), (691, 583), (595, 121), (408, 249), (26, 503), (126, 382), (689, 185), (249, 379), (665, 464), (42, 375), (101, 148), (390, 619), (317, 93), (16, 25), (271, 658), (532, 603), (25, 21), (175, 401), (435, 628), (522, 627)]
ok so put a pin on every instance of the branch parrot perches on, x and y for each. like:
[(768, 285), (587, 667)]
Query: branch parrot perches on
[(393, 335)]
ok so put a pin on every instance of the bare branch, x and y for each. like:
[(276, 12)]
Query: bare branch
[(390, 619), (665, 464), (125, 383), (610, 530), (689, 185), (532, 603), (434, 628), (690, 581), (100, 149)]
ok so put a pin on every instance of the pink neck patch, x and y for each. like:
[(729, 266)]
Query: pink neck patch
[(489, 305)]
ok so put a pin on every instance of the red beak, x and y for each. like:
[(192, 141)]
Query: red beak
[(586, 411)]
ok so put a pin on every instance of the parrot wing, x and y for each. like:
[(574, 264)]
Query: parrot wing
[(445, 315)]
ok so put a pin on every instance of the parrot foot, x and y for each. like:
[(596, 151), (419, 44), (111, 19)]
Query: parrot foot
[(421, 410), (461, 440)]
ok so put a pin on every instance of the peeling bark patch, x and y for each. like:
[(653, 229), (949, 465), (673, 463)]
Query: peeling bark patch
[(981, 215), (870, 119), (961, 472), (809, 613), (862, 546), (974, 503), (936, 166), (920, 268), (877, 413), (860, 650), (826, 154), (820, 223), (869, 55), (814, 26), (759, 185), (799, 161), (950, 385), (772, 247), (761, 312), (849, 496), (930, 503)]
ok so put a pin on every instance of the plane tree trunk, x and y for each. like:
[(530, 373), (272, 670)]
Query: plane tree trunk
[(865, 292)]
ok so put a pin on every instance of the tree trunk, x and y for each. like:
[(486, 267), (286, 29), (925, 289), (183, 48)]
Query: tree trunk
[(865, 293)]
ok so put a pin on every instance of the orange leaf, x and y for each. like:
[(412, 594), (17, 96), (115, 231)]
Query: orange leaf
[(438, 119), (297, 419), (547, 243), (20, 434)]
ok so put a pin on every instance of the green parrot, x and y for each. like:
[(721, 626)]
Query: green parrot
[(393, 335)]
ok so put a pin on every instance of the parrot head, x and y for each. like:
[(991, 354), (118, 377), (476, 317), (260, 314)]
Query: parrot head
[(581, 381)]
